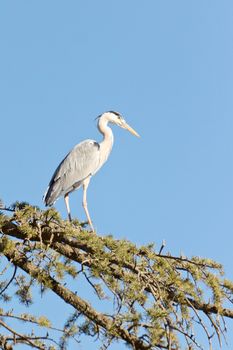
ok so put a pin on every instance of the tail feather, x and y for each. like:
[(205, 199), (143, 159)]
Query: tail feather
[(52, 193)]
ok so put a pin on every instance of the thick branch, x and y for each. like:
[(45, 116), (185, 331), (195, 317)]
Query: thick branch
[(69, 297), (72, 249)]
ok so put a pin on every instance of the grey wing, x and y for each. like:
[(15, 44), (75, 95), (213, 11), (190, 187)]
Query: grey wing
[(82, 161)]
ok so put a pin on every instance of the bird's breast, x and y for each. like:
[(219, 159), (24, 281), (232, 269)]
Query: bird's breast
[(104, 154), (104, 150)]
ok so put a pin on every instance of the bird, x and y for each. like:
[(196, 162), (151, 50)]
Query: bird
[(82, 162)]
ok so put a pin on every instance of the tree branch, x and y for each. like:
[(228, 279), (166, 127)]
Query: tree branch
[(69, 297), (150, 288)]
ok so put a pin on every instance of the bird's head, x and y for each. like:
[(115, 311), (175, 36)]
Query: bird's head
[(116, 118)]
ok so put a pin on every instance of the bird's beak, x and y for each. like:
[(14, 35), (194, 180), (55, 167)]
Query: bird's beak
[(127, 127)]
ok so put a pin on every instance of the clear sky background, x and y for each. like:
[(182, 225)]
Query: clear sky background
[(167, 67)]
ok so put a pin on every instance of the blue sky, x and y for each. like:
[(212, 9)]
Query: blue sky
[(167, 67)]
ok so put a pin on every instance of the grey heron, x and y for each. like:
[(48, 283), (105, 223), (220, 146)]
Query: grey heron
[(82, 162)]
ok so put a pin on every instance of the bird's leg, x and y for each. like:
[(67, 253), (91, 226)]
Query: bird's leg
[(85, 186), (66, 197)]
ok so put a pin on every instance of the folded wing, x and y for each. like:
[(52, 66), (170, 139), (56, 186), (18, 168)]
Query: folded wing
[(82, 161)]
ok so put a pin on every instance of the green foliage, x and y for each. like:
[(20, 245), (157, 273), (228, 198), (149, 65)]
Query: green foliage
[(23, 291), (156, 301), (43, 322)]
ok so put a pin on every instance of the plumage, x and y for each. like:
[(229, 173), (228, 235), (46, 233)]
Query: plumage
[(82, 162)]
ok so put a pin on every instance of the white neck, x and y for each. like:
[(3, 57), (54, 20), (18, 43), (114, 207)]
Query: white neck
[(107, 142), (106, 131)]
